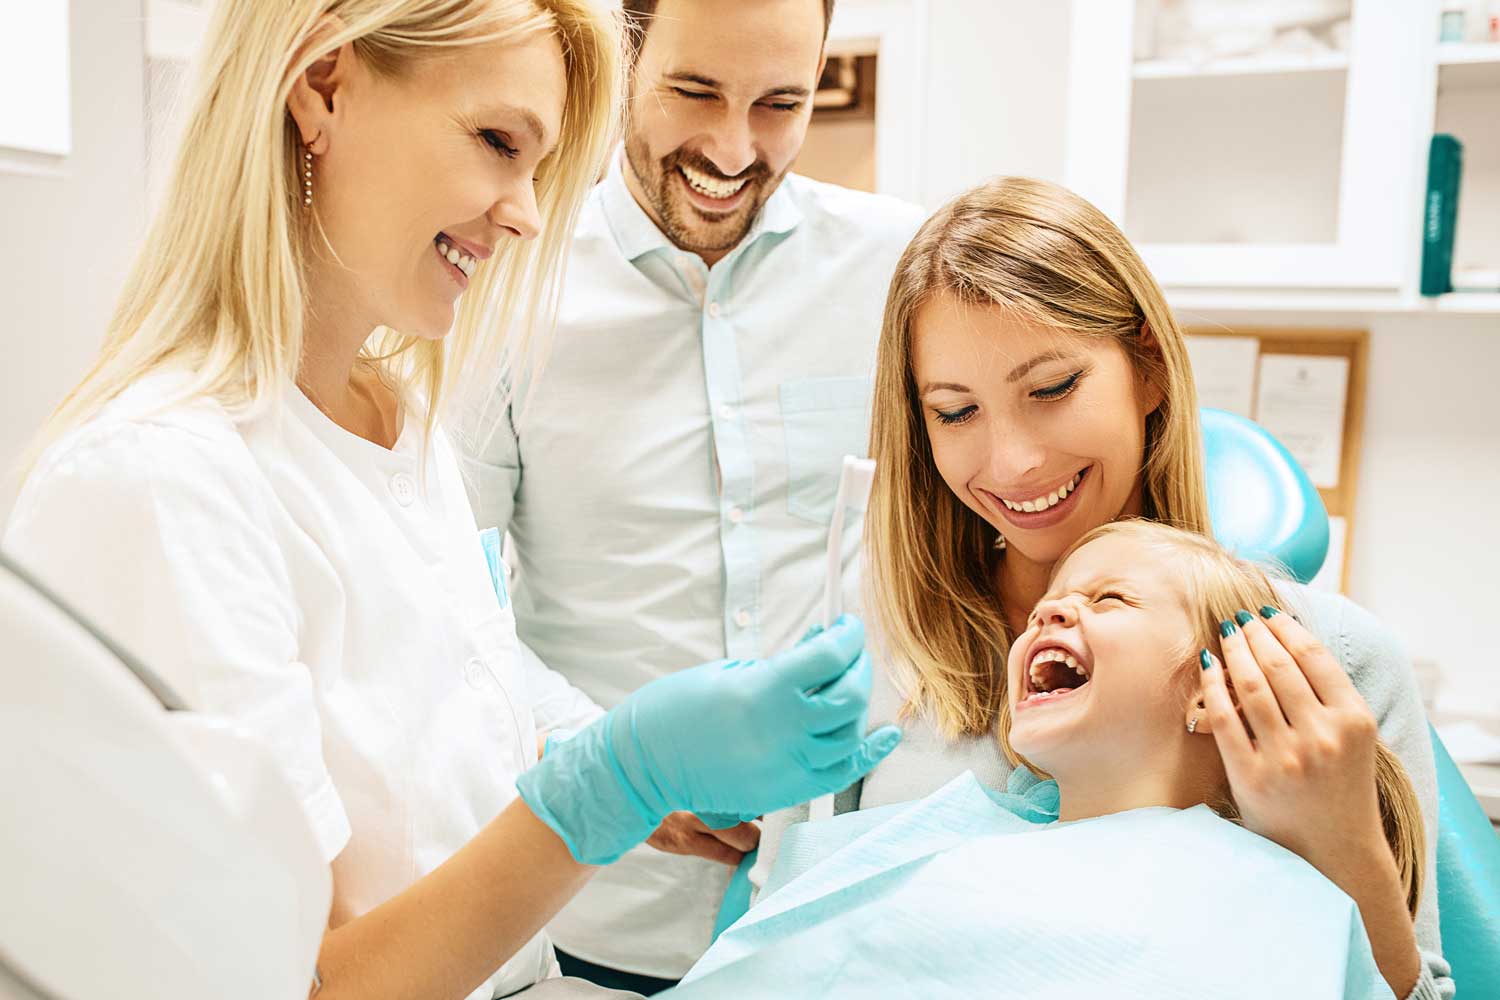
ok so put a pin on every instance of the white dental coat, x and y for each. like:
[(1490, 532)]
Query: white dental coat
[(325, 594)]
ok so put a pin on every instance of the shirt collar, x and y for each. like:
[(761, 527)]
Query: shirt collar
[(636, 235)]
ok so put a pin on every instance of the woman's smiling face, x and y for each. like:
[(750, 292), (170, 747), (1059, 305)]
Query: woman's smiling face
[(1039, 431), (421, 176)]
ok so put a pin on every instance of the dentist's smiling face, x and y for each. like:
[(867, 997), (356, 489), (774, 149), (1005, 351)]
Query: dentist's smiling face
[(1039, 431), (1101, 667), (721, 95), (420, 176)]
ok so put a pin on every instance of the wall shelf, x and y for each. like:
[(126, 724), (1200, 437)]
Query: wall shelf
[(1466, 53), (1248, 66), (1375, 303)]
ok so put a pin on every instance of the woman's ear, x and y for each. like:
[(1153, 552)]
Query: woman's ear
[(316, 99), (1150, 394)]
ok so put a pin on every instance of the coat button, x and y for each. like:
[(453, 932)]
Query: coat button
[(403, 488), (474, 673)]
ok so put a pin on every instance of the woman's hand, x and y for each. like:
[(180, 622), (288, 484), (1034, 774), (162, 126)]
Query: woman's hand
[(1299, 752), (1303, 774)]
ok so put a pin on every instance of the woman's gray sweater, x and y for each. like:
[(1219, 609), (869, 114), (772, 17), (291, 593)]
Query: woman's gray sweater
[(1376, 663)]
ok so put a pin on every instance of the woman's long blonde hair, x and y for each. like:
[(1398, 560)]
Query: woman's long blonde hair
[(218, 286), (1215, 585), (1047, 257)]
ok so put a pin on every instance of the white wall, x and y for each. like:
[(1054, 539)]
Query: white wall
[(972, 128), (1426, 553), (70, 225)]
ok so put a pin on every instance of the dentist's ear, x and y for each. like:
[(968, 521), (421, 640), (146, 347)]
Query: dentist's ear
[(316, 98)]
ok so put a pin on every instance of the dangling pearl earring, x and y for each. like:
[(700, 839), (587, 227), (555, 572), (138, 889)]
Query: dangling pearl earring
[(307, 178)]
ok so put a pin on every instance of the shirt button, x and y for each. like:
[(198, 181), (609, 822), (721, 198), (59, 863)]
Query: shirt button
[(403, 488), (474, 673), (726, 412), (713, 310), (736, 515), (742, 618)]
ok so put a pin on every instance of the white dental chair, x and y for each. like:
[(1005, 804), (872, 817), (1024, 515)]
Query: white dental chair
[(130, 867)]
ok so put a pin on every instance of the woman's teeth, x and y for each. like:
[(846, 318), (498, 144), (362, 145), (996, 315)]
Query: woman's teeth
[(711, 186), (468, 265), (1044, 502)]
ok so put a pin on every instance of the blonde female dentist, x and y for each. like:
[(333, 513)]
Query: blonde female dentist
[(252, 490)]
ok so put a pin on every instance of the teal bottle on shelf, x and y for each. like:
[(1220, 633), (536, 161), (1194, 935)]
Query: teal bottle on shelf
[(1440, 213)]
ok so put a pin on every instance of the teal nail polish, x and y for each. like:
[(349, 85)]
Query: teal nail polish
[(1269, 612), (1243, 617), (1204, 659), (1227, 629)]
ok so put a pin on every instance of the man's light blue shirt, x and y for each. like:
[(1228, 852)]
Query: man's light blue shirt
[(668, 480)]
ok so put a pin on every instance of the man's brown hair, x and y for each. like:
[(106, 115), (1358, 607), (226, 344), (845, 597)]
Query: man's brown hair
[(639, 14)]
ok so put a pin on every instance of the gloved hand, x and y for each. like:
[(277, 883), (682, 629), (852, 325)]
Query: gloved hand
[(733, 738)]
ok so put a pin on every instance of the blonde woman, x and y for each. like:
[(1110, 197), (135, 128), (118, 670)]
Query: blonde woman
[(1032, 385), (961, 894), (252, 491)]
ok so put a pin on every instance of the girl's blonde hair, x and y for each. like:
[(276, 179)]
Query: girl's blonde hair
[(218, 285), (1215, 585), (1046, 257)]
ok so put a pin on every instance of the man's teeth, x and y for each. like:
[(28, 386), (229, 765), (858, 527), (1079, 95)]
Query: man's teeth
[(1042, 503), (1053, 655), (712, 186), (468, 265)]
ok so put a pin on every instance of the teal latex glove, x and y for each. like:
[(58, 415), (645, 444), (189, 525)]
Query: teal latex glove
[(733, 738)]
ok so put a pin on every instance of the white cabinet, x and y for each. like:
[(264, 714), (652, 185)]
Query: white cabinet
[(1298, 167)]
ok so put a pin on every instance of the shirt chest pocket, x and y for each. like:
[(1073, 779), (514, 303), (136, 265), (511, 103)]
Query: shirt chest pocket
[(824, 420)]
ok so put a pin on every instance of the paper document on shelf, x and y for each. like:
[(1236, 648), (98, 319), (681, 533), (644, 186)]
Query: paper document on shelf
[(1470, 743), (1224, 370), (1331, 576), (1301, 402)]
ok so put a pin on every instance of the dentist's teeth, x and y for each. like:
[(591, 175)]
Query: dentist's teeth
[(443, 249), (453, 255), (1052, 500)]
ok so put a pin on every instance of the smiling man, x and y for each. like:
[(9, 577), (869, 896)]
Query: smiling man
[(668, 482)]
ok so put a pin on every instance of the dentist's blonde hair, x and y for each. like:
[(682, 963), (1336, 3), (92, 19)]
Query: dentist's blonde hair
[(218, 286), (1048, 258), (1215, 585)]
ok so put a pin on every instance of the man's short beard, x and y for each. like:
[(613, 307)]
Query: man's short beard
[(655, 178)]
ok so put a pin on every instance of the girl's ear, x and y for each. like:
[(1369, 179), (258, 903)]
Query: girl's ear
[(1196, 715)]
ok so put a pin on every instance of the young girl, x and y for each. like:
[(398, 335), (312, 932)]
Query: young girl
[(1116, 690)]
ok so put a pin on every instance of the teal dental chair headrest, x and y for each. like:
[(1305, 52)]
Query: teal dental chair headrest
[(1262, 504)]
